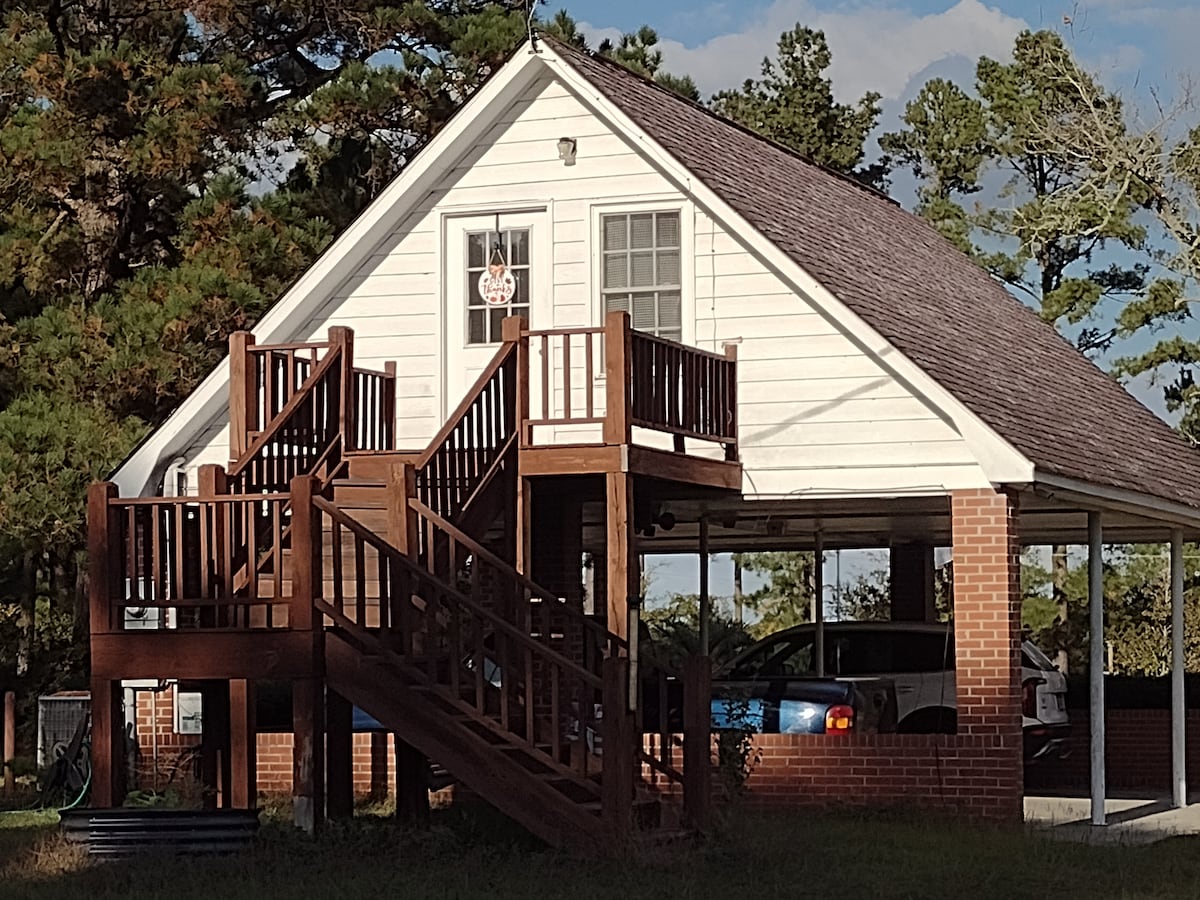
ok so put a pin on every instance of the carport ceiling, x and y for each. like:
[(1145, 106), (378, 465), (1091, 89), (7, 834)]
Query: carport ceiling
[(742, 525)]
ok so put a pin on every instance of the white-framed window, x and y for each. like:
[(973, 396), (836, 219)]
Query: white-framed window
[(189, 712), (484, 248), (641, 269)]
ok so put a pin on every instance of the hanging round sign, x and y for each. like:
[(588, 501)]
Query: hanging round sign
[(497, 285)]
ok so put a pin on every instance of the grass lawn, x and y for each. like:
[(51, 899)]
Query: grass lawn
[(753, 856)]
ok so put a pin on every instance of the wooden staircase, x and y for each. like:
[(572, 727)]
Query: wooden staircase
[(325, 555)]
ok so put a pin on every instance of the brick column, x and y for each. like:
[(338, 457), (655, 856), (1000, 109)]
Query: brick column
[(987, 634)]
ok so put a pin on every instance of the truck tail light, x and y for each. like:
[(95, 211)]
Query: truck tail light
[(1029, 696), (839, 719)]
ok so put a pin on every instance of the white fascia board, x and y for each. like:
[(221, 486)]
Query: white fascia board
[(138, 474), (1000, 462), (1101, 497)]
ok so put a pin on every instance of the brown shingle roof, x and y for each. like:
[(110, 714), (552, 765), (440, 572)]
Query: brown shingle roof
[(929, 300)]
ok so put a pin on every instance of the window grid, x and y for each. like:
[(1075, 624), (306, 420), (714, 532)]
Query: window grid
[(484, 321), (630, 241)]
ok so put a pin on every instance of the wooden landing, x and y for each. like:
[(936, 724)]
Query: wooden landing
[(596, 459)]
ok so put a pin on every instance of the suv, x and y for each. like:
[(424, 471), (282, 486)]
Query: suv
[(918, 659)]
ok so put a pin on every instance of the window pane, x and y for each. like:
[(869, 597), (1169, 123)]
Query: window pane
[(615, 232), (522, 292), (497, 315), (643, 312), (668, 229), (641, 231), (519, 254), (641, 269), (668, 268), (615, 265), (476, 250), (617, 303), (475, 326), (670, 310)]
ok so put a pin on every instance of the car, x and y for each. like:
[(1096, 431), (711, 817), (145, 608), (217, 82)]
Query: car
[(918, 660), (784, 704)]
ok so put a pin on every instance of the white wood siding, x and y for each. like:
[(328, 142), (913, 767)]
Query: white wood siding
[(818, 415)]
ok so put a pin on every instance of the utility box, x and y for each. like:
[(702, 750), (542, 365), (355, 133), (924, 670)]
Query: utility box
[(59, 716)]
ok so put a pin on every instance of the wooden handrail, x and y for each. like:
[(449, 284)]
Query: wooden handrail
[(455, 417)]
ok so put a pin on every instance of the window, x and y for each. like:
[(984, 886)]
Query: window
[(641, 270), (483, 319)]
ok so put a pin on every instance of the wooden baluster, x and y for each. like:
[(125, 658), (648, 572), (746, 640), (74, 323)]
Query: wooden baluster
[(403, 527), (360, 579), (566, 339), (589, 378)]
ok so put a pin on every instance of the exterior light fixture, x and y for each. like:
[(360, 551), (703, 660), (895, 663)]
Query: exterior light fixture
[(566, 150)]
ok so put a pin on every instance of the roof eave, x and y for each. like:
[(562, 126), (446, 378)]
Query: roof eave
[(138, 473)]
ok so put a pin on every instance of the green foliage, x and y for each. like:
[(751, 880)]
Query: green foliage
[(964, 146), (674, 631), (785, 598), (793, 103)]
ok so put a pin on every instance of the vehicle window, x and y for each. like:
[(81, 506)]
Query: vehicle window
[(1033, 658), (922, 652), (860, 653), (786, 656)]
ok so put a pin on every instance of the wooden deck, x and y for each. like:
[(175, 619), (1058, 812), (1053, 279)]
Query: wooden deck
[(325, 556)]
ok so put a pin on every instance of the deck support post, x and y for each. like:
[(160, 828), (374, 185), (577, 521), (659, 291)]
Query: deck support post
[(705, 611), (108, 743), (379, 767), (1178, 706), (1096, 662), (243, 745), (412, 785), (624, 579), (339, 756), (214, 751), (308, 693), (308, 754), (618, 734), (697, 740)]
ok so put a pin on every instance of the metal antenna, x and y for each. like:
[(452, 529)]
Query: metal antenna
[(532, 5)]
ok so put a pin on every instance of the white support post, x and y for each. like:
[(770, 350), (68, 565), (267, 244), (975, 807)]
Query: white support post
[(819, 602), (1178, 707), (1096, 662)]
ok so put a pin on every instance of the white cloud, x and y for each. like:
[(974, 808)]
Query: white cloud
[(876, 45)]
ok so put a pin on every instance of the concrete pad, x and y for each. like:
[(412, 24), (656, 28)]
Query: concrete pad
[(1131, 820)]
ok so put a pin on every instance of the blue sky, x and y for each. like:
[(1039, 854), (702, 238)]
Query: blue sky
[(893, 46)]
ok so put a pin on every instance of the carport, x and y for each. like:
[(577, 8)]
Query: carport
[(985, 531)]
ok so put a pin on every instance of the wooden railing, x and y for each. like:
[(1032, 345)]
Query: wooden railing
[(684, 391), (374, 409), (482, 662), (180, 556), (464, 455), (627, 379), (262, 382), (307, 432)]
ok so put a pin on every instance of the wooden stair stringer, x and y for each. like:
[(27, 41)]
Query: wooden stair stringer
[(501, 781)]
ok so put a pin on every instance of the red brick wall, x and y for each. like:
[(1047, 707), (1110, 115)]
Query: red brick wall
[(157, 740), (275, 763), (1137, 753), (967, 774)]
